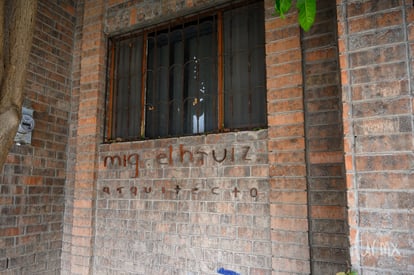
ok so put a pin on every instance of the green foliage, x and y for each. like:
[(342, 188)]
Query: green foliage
[(347, 273), (306, 8), (282, 7), (307, 12)]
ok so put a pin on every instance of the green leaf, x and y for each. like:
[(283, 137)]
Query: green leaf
[(340, 273), (307, 12), (282, 7), (353, 273)]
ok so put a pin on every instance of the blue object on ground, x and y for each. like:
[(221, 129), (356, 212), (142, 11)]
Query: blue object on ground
[(227, 272)]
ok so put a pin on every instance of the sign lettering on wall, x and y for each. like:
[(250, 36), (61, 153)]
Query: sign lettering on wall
[(178, 155), (134, 190), (185, 156)]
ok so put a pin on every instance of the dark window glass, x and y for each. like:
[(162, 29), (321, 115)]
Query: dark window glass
[(126, 115), (206, 75), (181, 81), (244, 69)]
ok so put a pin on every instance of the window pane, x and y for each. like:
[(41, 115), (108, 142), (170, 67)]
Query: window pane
[(157, 87), (127, 89), (201, 77), (182, 80), (181, 77), (244, 67)]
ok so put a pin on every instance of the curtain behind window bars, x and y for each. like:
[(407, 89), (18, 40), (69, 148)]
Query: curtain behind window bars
[(244, 69), (127, 87), (181, 77), (182, 80)]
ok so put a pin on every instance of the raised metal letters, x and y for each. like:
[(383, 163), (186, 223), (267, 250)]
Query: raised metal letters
[(184, 156), (253, 192)]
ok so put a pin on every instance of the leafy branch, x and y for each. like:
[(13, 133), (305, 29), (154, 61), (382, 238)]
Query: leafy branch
[(347, 273), (306, 8)]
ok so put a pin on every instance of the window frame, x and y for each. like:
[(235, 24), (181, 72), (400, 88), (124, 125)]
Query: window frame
[(112, 70)]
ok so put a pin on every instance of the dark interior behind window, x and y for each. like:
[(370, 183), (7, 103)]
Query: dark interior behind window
[(200, 76)]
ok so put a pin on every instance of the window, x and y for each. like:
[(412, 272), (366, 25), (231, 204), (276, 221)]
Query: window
[(203, 75)]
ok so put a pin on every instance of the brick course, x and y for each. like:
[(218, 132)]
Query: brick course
[(180, 219), (33, 180), (379, 155), (328, 184), (324, 147), (288, 202)]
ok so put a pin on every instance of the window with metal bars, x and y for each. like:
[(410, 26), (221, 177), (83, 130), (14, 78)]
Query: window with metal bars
[(204, 75)]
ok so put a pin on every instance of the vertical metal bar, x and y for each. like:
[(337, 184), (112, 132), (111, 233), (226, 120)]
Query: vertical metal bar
[(143, 82), (220, 73), (170, 90), (155, 107), (185, 82), (195, 100), (250, 49), (111, 94), (116, 90), (129, 105)]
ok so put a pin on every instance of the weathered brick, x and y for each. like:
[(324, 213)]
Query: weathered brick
[(386, 162), (286, 106), (392, 53), (358, 8), (389, 200), (382, 107), (285, 119), (380, 90), (48, 83), (385, 180), (257, 220), (287, 156), (385, 72), (291, 265), (384, 143), (376, 21), (370, 39), (381, 126), (327, 212), (289, 224)]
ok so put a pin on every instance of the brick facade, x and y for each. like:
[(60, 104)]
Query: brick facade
[(287, 165), (32, 182), (324, 148), (328, 184), (375, 45), (195, 204)]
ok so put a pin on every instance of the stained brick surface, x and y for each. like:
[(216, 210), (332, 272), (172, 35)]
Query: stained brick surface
[(32, 182), (376, 68), (325, 161), (187, 211), (329, 182), (287, 166)]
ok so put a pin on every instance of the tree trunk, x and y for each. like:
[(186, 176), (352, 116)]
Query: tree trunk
[(16, 33)]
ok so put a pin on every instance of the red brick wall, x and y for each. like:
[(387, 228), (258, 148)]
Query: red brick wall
[(287, 196), (324, 144), (196, 204), (287, 167), (295, 224), (33, 179), (72, 143), (86, 135), (375, 42), (186, 211)]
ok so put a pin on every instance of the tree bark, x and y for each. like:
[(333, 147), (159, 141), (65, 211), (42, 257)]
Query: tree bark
[(17, 19)]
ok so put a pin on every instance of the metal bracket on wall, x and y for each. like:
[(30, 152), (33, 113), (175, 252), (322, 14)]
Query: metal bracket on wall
[(24, 132)]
